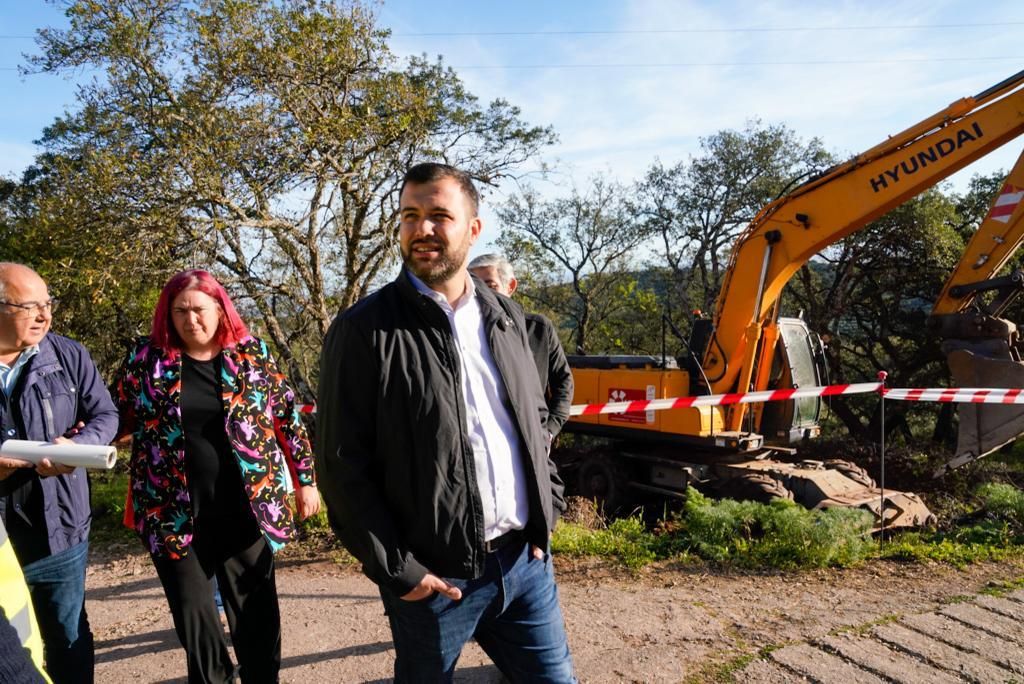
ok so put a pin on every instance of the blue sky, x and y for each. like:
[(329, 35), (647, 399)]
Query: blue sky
[(624, 83)]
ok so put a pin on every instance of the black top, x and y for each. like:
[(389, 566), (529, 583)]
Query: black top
[(392, 437), (214, 478), (552, 369)]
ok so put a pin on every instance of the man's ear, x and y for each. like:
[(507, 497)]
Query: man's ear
[(512, 284)]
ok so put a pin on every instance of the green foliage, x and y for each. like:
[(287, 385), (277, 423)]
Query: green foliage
[(261, 140), (779, 535), (783, 535), (697, 208), (105, 276), (633, 325), (316, 524), (993, 532), (1006, 503), (920, 548), (626, 539), (1001, 588), (580, 249), (745, 533), (998, 524), (107, 492)]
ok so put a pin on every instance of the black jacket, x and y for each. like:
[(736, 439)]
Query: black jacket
[(393, 458), (552, 368)]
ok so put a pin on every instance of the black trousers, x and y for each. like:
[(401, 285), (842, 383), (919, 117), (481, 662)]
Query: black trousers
[(245, 576)]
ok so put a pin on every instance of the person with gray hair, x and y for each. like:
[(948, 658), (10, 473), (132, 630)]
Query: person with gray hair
[(552, 368), (50, 391)]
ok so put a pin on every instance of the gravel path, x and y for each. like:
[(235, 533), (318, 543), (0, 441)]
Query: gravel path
[(879, 622)]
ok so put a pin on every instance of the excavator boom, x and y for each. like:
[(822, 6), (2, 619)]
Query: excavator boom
[(825, 209)]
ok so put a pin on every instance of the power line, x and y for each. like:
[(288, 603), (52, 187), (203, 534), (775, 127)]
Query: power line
[(643, 32), (749, 29), (662, 65), (672, 65)]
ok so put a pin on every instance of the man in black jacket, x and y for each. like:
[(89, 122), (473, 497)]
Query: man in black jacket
[(432, 452), (552, 368)]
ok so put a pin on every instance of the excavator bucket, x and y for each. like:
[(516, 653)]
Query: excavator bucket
[(985, 427)]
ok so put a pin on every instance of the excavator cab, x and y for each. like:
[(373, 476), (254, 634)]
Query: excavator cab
[(799, 362)]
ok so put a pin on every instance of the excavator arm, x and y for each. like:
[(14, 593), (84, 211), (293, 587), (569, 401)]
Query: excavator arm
[(989, 249), (984, 349), (831, 206)]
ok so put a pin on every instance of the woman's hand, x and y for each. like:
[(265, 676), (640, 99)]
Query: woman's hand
[(307, 501)]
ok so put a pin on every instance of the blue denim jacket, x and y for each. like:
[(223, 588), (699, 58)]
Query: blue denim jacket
[(60, 387)]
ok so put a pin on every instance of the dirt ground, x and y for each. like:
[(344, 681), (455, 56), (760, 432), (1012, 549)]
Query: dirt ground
[(664, 624)]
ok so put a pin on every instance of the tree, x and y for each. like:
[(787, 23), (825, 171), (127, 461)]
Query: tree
[(265, 140), (104, 276), (871, 295), (579, 250), (697, 208)]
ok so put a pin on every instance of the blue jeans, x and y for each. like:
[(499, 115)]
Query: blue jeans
[(512, 611), (57, 585)]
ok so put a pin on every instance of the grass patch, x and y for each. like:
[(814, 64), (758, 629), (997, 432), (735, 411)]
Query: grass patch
[(993, 531), (861, 630), (1002, 588), (919, 548), (626, 539), (721, 673)]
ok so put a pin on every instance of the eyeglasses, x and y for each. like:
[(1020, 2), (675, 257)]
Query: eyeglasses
[(27, 309)]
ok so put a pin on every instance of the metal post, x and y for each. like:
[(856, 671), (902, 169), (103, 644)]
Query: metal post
[(881, 391)]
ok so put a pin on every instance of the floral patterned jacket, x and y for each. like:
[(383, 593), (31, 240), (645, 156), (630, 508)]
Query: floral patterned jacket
[(263, 427)]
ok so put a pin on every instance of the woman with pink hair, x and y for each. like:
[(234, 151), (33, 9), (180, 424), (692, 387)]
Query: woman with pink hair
[(216, 432)]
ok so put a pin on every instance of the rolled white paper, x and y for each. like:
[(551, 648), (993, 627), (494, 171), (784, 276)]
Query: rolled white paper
[(74, 455)]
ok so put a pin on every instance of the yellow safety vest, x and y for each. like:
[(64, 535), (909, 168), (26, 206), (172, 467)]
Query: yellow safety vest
[(16, 602)]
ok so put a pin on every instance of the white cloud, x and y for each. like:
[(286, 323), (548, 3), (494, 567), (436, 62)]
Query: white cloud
[(851, 88)]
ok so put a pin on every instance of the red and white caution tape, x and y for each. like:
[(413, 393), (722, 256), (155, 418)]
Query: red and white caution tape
[(962, 395), (722, 399), (965, 395)]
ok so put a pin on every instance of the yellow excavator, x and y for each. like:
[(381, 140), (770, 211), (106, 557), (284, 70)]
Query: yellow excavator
[(984, 349), (747, 346)]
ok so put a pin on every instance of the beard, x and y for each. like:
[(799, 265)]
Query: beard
[(449, 262)]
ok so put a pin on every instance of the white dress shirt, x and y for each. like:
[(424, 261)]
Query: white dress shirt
[(491, 427), (9, 374)]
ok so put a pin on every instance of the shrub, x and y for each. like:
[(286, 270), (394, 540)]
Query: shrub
[(1004, 503), (780, 534)]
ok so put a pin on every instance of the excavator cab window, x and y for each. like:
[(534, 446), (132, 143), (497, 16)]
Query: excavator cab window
[(700, 337), (797, 363)]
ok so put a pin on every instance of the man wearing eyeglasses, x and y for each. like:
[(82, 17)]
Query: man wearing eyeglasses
[(50, 390)]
